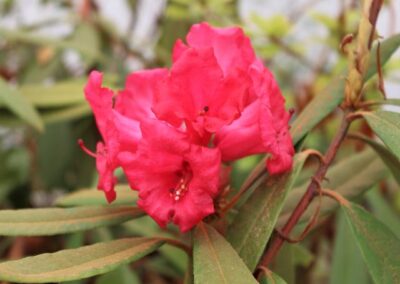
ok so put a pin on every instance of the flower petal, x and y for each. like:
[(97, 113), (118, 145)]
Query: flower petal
[(163, 159), (136, 100), (118, 133), (262, 127), (231, 47)]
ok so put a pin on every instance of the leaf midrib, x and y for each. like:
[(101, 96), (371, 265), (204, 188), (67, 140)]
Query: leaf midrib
[(211, 247), (44, 276), (75, 220)]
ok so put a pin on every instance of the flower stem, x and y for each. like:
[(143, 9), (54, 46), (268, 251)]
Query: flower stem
[(353, 87), (309, 195)]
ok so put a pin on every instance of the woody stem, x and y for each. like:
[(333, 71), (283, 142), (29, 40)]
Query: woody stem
[(309, 195)]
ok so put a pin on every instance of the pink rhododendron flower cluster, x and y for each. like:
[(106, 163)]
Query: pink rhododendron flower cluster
[(171, 129)]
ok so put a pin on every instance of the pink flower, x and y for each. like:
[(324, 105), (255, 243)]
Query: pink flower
[(206, 88), (262, 127), (136, 100), (170, 130), (109, 123), (177, 180), (216, 85), (119, 127)]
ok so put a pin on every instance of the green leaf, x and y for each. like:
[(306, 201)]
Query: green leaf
[(85, 40), (121, 275), (215, 261), (347, 263), (350, 177), (275, 26), (379, 246), (52, 221), (271, 278), (284, 263), (53, 115), (383, 211), (325, 102), (77, 263), (317, 109), (391, 161), (302, 256), (57, 95), (66, 113), (74, 240), (394, 102), (387, 126), (85, 197), (387, 48), (252, 227), (146, 227), (16, 103)]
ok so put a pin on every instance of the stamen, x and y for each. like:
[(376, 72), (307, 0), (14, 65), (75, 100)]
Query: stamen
[(85, 149), (179, 191), (184, 176)]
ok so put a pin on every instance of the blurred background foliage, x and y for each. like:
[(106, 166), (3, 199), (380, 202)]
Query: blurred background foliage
[(47, 48)]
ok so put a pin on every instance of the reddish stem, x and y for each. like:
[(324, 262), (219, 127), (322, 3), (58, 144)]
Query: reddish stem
[(309, 195)]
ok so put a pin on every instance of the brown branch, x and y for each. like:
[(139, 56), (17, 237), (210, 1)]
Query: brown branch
[(308, 228), (309, 195)]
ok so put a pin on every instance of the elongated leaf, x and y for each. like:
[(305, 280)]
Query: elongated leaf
[(76, 42), (383, 211), (394, 102), (215, 261), (252, 227), (16, 103), (284, 263), (85, 197), (57, 95), (302, 256), (317, 109), (146, 227), (52, 116), (391, 161), (388, 47), (387, 126), (347, 263), (67, 113), (271, 278), (121, 275), (350, 177), (52, 221), (379, 246), (325, 102), (77, 263)]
